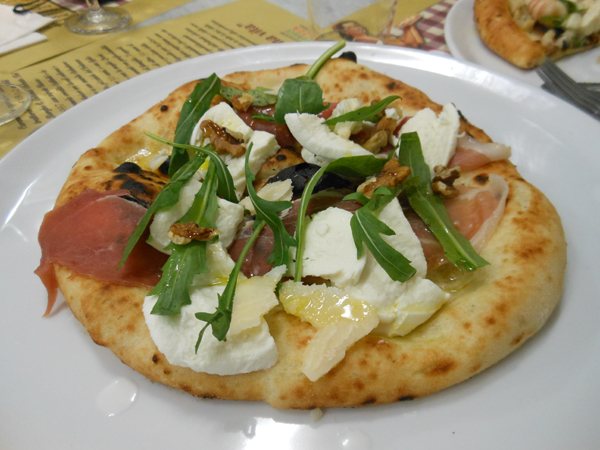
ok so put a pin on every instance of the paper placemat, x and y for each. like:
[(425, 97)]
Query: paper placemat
[(61, 40), (62, 82)]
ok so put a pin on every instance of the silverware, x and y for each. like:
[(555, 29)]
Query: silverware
[(560, 84)]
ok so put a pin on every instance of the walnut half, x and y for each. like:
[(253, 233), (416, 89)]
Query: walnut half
[(184, 233)]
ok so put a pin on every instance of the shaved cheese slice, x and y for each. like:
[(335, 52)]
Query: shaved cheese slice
[(254, 297)]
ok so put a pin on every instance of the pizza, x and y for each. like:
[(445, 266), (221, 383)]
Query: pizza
[(308, 236), (526, 32)]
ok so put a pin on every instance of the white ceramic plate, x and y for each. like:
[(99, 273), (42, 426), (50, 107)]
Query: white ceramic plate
[(465, 44), (545, 396)]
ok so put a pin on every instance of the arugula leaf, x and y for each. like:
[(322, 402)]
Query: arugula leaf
[(260, 94), (431, 208), (220, 320), (192, 110), (357, 166), (299, 95), (168, 196), (269, 212), (366, 229), (225, 188), (263, 116), (205, 206), (301, 221), (369, 113), (303, 94), (173, 289)]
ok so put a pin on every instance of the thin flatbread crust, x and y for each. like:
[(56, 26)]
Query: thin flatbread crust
[(504, 304)]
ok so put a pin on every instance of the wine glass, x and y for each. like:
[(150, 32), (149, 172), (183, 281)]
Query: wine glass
[(14, 101), (97, 20)]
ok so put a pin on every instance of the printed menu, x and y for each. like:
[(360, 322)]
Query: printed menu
[(62, 82)]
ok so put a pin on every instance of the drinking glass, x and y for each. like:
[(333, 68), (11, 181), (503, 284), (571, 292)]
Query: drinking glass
[(14, 101), (98, 20)]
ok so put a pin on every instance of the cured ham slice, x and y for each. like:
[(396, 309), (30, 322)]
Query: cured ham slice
[(475, 212), (471, 154), (89, 234)]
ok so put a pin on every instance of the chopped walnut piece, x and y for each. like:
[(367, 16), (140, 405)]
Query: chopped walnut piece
[(391, 176), (242, 102), (217, 99), (184, 233), (221, 139), (376, 142), (387, 124), (442, 182)]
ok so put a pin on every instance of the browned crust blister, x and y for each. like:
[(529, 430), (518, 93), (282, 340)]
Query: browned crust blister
[(504, 304)]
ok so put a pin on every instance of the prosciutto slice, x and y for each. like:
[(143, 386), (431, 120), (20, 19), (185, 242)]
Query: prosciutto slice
[(475, 212), (471, 154), (89, 234)]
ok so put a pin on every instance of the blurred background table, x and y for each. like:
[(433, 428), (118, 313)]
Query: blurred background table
[(68, 68)]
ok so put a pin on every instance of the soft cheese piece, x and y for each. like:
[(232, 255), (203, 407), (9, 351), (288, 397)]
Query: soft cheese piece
[(318, 139), (224, 116), (276, 191), (228, 217), (400, 306), (438, 134), (264, 145), (175, 336), (346, 129), (329, 250)]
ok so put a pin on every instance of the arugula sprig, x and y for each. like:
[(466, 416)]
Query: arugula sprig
[(226, 189), (187, 261), (367, 229), (303, 94), (220, 320), (168, 196), (268, 212), (431, 209), (262, 95), (368, 113), (192, 110), (173, 289)]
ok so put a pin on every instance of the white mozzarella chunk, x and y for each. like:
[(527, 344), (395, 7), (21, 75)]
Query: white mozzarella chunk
[(264, 145), (224, 116), (438, 134), (228, 217), (311, 158), (419, 301), (318, 139), (175, 336), (329, 250), (391, 113), (397, 302), (273, 192), (346, 129), (219, 264)]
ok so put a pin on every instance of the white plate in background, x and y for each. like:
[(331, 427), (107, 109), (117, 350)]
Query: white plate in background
[(544, 396), (465, 44)]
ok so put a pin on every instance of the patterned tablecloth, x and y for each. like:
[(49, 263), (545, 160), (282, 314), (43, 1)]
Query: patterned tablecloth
[(424, 30)]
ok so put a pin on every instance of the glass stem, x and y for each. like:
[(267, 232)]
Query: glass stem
[(93, 5)]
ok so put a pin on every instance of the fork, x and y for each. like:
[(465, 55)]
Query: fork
[(559, 83)]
